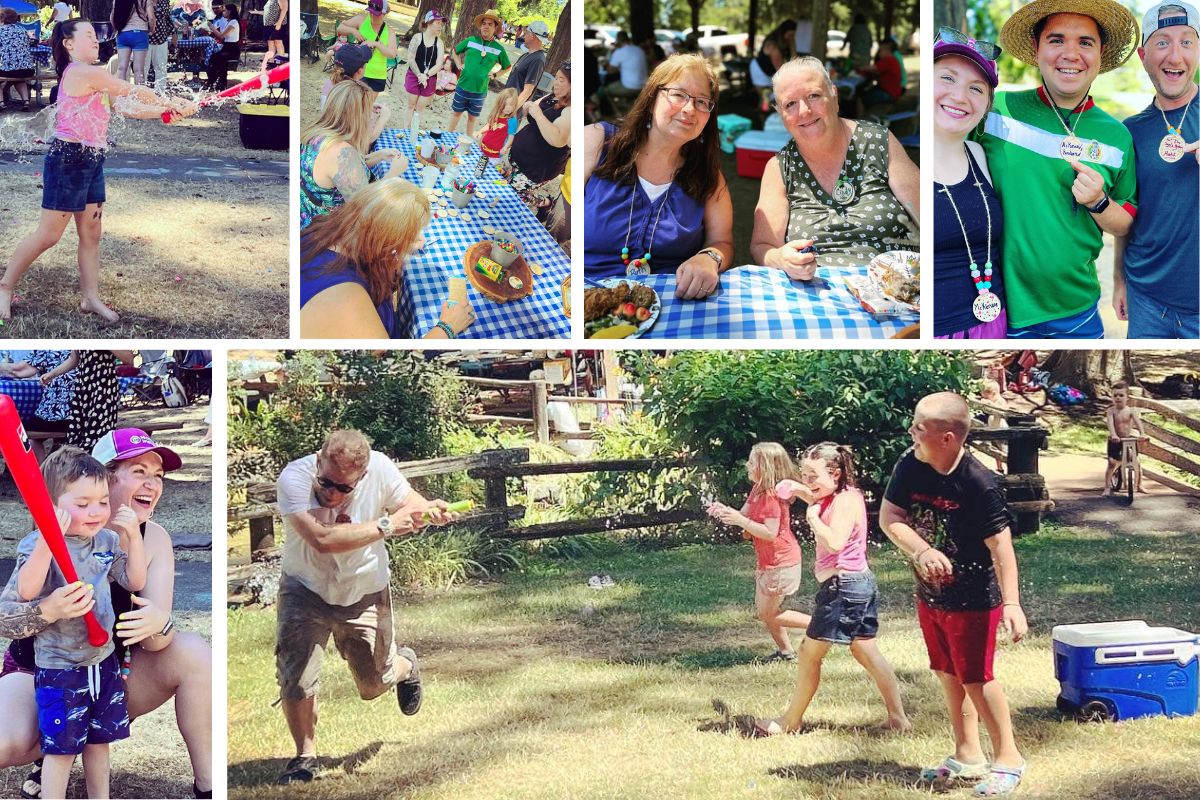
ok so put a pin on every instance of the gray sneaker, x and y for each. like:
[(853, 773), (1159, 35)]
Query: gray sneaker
[(779, 655), (299, 770)]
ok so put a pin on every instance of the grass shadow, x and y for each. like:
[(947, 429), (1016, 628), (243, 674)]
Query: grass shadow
[(851, 770), (265, 771)]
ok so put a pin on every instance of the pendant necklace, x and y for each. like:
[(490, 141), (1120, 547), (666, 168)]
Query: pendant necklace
[(641, 266), (1071, 148), (1170, 149), (987, 305)]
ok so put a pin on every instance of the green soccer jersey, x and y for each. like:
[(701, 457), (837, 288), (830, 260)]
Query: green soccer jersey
[(1051, 243), (479, 58)]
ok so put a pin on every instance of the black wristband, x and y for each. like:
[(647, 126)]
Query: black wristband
[(1099, 207)]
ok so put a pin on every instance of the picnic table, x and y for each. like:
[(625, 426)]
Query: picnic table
[(426, 277), (196, 43), (757, 302), (41, 54), (26, 393)]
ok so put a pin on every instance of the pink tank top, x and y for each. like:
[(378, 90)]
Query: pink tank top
[(853, 555), (82, 119)]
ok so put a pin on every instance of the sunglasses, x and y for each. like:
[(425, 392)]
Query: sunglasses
[(952, 36), (325, 483)]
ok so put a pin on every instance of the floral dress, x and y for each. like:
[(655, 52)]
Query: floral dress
[(315, 200), (847, 231), (55, 405), (15, 55), (97, 395)]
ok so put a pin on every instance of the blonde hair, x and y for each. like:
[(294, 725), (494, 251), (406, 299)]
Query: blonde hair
[(990, 386), (347, 448), (772, 463), (68, 464), (501, 101), (346, 118), (372, 232), (947, 411)]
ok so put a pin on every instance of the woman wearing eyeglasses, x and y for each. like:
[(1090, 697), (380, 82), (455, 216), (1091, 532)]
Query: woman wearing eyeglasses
[(655, 196), (840, 192), (968, 292)]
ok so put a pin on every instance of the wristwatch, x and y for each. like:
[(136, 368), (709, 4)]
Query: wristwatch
[(384, 524), (715, 255), (1100, 206)]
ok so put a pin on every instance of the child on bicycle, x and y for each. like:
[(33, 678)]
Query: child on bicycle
[(1123, 423), (764, 519)]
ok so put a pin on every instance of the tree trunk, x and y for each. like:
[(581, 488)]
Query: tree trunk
[(308, 6), (641, 21), (560, 47), (1092, 372), (695, 4), (820, 28), (468, 10), (444, 6), (752, 29), (96, 10), (889, 16), (950, 13)]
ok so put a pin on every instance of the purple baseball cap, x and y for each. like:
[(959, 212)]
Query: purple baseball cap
[(377, 6), (125, 443), (433, 14), (986, 66)]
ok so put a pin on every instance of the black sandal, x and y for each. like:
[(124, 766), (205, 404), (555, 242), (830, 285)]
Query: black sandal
[(32, 787), (197, 793), (299, 770)]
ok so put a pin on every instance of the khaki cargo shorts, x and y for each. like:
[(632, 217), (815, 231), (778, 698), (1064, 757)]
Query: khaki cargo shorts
[(362, 632)]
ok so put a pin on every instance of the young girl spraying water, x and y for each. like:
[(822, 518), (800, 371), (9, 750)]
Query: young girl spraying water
[(494, 134), (73, 173), (765, 520), (844, 611)]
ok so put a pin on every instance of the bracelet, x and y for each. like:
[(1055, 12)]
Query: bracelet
[(1018, 605), (167, 628), (917, 557), (445, 326)]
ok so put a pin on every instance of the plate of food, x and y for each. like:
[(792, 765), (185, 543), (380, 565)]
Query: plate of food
[(619, 308), (892, 284)]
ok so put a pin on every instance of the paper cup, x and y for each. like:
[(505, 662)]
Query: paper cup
[(502, 256), (427, 149)]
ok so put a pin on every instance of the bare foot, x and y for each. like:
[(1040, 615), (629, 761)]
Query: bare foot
[(6, 303), (106, 314), (897, 724), (1106, 493)]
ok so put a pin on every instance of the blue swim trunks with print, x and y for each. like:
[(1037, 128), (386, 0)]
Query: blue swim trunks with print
[(82, 705)]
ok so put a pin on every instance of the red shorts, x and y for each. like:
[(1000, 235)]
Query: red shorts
[(961, 643)]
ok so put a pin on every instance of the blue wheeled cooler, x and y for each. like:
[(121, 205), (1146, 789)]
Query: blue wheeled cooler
[(1125, 670)]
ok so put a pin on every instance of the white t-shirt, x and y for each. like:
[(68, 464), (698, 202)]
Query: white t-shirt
[(631, 61), (62, 12), (233, 25), (341, 579), (653, 190)]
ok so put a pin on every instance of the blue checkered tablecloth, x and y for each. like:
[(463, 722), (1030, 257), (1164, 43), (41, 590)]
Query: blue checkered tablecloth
[(426, 276), (209, 44), (41, 54), (763, 303), (26, 393)]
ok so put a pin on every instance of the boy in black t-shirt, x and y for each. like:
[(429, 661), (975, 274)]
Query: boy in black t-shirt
[(946, 511)]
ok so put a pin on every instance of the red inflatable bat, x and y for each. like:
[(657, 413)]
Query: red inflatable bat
[(259, 81), (14, 446)]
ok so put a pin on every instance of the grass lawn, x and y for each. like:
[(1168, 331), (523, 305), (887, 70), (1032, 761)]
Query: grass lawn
[(538, 687)]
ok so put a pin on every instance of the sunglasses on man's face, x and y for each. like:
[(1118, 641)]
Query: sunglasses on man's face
[(325, 483), (953, 36)]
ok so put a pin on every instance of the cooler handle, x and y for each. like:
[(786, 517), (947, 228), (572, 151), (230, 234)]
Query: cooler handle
[(1183, 652)]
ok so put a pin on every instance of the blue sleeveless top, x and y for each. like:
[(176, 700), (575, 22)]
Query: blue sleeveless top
[(315, 278), (678, 236)]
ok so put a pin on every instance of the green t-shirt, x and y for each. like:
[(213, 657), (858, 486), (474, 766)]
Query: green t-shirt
[(480, 57), (1050, 243)]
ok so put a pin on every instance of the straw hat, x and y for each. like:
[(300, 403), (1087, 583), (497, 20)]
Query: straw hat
[(491, 14), (1118, 23)]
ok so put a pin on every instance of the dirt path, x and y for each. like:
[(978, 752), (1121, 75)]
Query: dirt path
[(144, 165)]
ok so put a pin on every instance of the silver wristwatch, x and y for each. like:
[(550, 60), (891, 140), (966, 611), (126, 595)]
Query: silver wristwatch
[(384, 524), (715, 255)]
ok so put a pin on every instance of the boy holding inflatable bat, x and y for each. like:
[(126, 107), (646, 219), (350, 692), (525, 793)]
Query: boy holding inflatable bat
[(80, 695)]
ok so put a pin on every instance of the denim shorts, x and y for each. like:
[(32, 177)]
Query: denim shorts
[(846, 608), (1152, 319), (470, 102), (133, 40), (72, 176), (70, 714)]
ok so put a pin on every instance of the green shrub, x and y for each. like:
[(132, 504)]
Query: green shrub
[(449, 557), (720, 403)]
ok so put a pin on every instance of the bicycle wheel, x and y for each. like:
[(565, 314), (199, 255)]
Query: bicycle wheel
[(1129, 481)]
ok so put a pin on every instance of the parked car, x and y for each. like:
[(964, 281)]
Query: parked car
[(718, 42), (667, 39), (601, 36), (835, 44)]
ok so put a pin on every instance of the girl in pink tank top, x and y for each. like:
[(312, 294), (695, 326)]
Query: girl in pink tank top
[(845, 610), (73, 172)]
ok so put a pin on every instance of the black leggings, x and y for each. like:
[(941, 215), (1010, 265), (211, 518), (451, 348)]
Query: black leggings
[(218, 65)]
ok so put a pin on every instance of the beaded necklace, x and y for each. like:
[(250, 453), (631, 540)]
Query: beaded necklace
[(987, 305), (641, 266), (1170, 149)]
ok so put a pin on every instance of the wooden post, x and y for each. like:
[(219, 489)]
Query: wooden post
[(262, 536), (541, 421)]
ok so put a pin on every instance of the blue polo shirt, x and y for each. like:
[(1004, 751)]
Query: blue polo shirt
[(1162, 256)]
